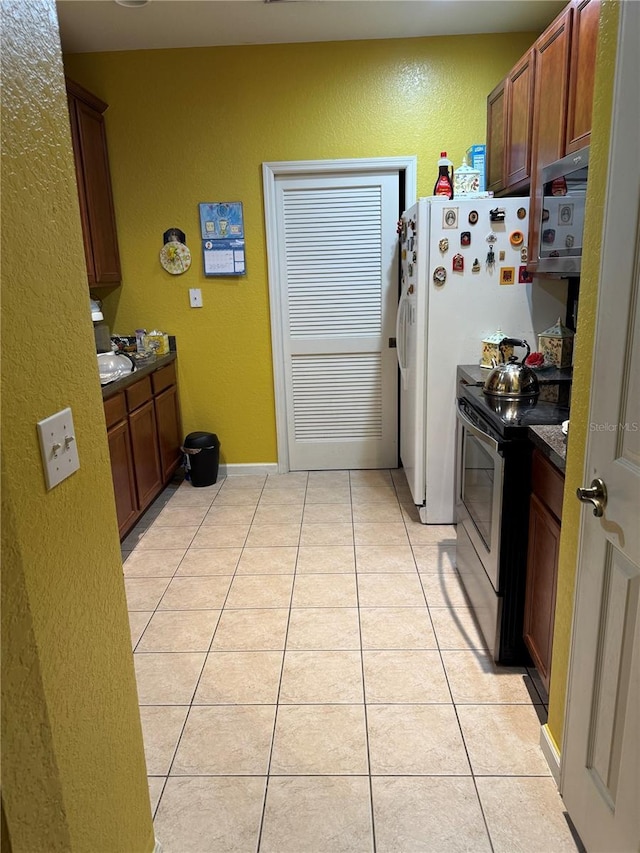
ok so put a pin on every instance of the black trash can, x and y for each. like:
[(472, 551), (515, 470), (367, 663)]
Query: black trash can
[(202, 457)]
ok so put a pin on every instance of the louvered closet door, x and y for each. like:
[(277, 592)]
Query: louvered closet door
[(337, 239)]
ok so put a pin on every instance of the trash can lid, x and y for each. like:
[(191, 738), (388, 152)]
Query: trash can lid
[(201, 439)]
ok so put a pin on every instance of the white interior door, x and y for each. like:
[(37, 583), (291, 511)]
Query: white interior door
[(338, 278), (601, 753)]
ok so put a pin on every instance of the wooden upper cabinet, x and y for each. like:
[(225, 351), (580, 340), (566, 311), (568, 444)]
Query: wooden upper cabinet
[(520, 86), (549, 115), (496, 128), (584, 38), (551, 87), (94, 185)]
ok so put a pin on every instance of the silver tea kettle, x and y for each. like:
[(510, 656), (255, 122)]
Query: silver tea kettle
[(512, 380)]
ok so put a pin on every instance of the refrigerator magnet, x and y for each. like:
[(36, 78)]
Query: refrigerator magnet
[(443, 245), (473, 217), (524, 276), (491, 237), (491, 259), (522, 212), (501, 255), (465, 238), (524, 254), (449, 217), (476, 266), (516, 238), (439, 275), (458, 263), (507, 275)]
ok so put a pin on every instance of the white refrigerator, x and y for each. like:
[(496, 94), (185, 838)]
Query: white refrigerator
[(462, 265)]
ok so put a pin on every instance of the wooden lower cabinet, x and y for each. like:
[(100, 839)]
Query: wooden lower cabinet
[(545, 511), (146, 458), (144, 437), (124, 484), (169, 431)]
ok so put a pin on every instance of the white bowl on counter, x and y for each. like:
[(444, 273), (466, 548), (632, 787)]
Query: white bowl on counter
[(113, 365)]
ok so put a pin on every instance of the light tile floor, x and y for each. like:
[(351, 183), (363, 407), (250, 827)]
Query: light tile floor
[(311, 678)]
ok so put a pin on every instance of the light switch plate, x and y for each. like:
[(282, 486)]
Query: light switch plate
[(58, 447), (195, 297)]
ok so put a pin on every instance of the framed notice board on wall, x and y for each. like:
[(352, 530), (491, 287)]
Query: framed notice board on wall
[(222, 234)]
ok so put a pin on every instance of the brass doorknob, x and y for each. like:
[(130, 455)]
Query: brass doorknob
[(596, 495)]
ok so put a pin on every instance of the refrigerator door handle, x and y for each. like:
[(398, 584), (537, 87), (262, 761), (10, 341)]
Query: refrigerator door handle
[(401, 339)]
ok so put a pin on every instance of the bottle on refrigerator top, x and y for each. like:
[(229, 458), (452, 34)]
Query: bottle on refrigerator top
[(444, 183)]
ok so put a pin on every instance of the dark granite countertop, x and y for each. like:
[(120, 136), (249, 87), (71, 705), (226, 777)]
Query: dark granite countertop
[(114, 388), (473, 374), (551, 442)]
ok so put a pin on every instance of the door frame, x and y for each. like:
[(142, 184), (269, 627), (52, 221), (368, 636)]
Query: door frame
[(407, 168), (619, 251)]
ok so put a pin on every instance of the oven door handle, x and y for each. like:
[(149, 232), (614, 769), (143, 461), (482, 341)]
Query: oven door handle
[(478, 433)]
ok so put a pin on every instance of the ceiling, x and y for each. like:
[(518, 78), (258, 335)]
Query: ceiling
[(89, 26)]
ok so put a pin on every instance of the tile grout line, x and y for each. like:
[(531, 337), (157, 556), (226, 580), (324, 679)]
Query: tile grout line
[(284, 652), (206, 654), (453, 703), (166, 777), (364, 689)]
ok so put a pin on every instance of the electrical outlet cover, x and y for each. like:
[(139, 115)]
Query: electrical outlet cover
[(58, 447)]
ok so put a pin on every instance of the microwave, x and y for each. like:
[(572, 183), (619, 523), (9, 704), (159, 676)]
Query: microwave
[(564, 187)]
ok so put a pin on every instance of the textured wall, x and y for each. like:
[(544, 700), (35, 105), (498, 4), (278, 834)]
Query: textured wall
[(73, 772), (187, 126), (607, 46)]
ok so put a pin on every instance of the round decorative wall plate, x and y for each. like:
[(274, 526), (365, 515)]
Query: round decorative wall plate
[(175, 257)]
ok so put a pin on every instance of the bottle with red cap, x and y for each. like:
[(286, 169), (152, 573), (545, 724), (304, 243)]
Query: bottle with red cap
[(444, 183)]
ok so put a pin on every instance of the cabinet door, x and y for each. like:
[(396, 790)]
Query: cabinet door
[(549, 114), (496, 131), (94, 185), (520, 84), (584, 38), (146, 459), (124, 487), (540, 596), (169, 431), (82, 191)]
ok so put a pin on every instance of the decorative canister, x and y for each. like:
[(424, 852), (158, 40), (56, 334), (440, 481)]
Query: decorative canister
[(556, 345), (466, 181), (491, 349)]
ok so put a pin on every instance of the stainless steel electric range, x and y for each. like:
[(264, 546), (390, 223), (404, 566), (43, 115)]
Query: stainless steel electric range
[(493, 478)]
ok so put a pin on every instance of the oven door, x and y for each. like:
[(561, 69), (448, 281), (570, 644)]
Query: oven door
[(480, 474)]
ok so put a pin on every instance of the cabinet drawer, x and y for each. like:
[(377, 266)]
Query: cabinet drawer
[(138, 394), (163, 378), (547, 483), (115, 410)]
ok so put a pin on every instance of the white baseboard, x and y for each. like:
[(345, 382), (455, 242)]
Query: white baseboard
[(158, 847), (241, 468), (550, 751)]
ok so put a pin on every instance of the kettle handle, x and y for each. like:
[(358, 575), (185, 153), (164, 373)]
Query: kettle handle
[(514, 342)]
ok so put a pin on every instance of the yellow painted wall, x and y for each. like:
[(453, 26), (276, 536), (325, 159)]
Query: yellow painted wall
[(606, 58), (73, 771), (190, 126)]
